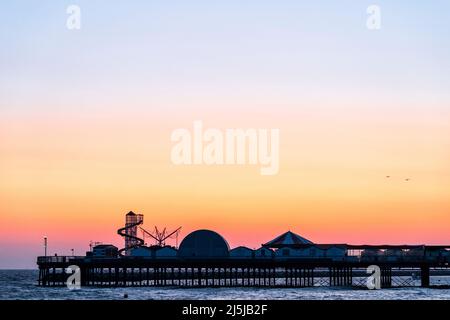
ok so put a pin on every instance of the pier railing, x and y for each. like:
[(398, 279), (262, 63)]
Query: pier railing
[(348, 259), (58, 259)]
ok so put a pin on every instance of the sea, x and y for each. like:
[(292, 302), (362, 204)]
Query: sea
[(22, 285)]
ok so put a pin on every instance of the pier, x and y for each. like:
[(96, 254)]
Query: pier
[(126, 272), (204, 259)]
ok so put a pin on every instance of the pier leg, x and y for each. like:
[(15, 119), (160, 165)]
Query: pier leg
[(225, 276), (385, 277), (285, 277), (330, 276), (425, 276), (274, 276)]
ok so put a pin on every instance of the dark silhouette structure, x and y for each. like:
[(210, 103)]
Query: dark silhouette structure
[(129, 232), (204, 244), (203, 259)]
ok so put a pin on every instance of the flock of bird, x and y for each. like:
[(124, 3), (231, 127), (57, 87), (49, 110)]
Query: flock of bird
[(407, 179)]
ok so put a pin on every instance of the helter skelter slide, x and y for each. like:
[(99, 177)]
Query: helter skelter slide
[(129, 232), (134, 221)]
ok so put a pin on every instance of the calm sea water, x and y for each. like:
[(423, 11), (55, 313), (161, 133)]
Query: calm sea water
[(21, 284)]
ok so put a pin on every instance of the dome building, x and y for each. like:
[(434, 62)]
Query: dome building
[(203, 244), (241, 253)]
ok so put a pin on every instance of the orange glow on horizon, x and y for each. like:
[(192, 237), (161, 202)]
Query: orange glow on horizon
[(74, 180)]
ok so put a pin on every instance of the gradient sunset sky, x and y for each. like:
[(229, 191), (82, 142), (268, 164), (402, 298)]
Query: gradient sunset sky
[(86, 118)]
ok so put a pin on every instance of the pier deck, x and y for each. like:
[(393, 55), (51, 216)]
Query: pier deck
[(134, 271)]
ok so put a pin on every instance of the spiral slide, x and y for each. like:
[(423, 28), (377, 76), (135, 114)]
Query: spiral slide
[(123, 232)]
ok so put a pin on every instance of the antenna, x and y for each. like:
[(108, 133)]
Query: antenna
[(93, 244)]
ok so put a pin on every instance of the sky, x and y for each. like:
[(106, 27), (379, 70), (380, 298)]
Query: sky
[(86, 118)]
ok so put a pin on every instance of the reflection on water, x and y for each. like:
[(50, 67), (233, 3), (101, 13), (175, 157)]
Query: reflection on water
[(21, 284)]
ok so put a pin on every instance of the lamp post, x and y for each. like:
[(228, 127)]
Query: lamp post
[(72, 252), (45, 246)]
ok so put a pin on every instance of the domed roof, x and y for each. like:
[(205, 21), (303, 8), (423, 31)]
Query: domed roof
[(203, 244)]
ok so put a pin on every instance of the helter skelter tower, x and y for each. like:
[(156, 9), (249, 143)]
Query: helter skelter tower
[(129, 232)]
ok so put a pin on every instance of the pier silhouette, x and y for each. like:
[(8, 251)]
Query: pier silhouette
[(204, 259)]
